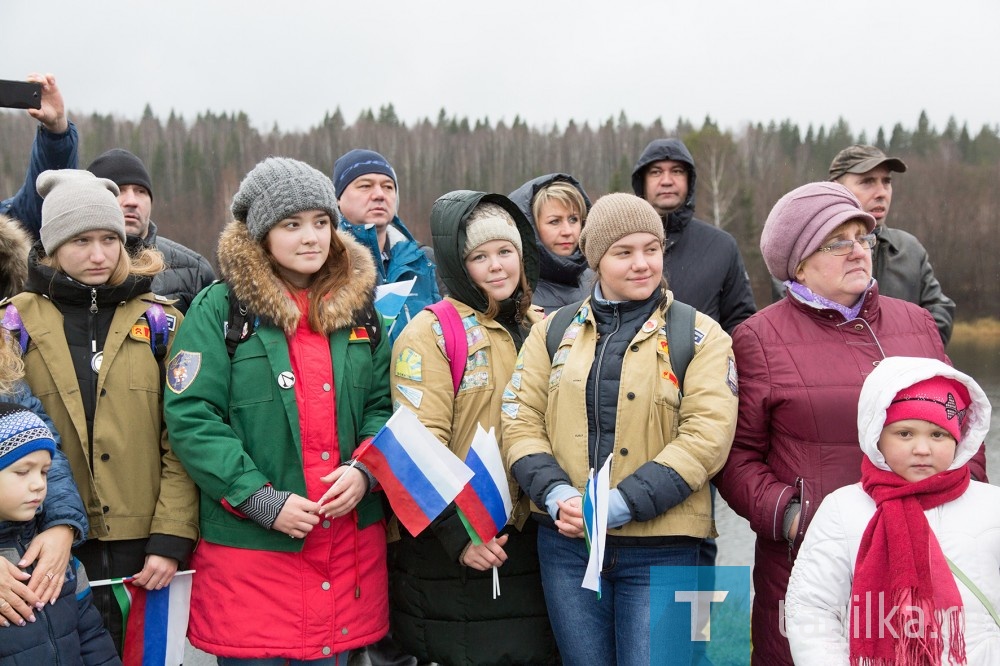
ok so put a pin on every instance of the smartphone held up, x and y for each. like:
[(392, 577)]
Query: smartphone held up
[(20, 94)]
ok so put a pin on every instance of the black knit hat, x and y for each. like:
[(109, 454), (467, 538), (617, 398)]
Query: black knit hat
[(123, 168)]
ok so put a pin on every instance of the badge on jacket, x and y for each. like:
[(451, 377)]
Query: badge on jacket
[(182, 370)]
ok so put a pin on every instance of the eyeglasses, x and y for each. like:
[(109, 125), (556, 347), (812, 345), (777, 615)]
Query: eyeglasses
[(844, 247)]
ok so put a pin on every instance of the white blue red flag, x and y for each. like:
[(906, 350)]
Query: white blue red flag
[(484, 504), (419, 475), (595, 523), (155, 621)]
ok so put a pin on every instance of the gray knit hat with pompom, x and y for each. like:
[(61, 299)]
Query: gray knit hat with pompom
[(280, 187)]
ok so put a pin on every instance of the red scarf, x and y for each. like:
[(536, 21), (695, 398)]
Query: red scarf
[(901, 562)]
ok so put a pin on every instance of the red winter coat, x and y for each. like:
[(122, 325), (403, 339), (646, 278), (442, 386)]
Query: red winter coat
[(801, 371), (331, 596)]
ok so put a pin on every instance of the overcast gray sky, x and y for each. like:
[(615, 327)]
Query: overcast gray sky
[(874, 62)]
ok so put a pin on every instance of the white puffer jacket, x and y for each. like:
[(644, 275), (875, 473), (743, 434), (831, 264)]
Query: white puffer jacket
[(968, 529)]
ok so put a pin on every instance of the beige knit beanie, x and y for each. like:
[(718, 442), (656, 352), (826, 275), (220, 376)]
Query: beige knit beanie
[(488, 222), (613, 217), (77, 201)]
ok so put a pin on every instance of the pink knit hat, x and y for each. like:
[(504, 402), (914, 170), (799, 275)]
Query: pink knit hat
[(940, 400), (801, 221)]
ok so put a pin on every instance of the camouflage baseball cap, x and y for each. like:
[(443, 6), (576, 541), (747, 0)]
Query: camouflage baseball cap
[(862, 159)]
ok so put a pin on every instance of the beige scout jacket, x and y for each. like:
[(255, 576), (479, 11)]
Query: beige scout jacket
[(421, 380), (545, 411), (137, 476)]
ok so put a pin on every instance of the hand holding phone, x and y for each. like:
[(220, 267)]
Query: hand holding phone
[(20, 94)]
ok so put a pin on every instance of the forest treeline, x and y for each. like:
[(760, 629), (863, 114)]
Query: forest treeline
[(949, 197)]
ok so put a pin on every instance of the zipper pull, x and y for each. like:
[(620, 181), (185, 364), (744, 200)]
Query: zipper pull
[(93, 300)]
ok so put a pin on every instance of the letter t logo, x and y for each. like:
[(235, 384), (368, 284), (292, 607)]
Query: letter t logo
[(701, 606)]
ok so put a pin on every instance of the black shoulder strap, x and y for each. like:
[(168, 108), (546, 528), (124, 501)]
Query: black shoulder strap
[(372, 322), (680, 338), (240, 324), (560, 322)]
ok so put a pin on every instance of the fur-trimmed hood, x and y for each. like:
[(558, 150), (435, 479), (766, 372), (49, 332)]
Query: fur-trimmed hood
[(245, 267), (14, 247)]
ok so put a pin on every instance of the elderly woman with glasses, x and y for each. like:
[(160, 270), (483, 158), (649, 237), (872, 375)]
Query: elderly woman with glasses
[(801, 364)]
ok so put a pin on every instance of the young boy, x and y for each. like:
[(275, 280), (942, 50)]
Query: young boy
[(872, 584), (70, 629)]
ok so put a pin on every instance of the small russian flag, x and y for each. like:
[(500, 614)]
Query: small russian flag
[(155, 621), (484, 504), (419, 475)]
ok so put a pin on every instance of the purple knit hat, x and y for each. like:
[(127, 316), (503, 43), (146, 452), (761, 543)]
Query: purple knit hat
[(801, 221)]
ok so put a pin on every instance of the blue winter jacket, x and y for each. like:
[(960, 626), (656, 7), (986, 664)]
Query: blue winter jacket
[(63, 505), (407, 259), (48, 151), (70, 631)]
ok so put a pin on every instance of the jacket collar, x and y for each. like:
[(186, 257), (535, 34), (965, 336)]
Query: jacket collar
[(244, 266)]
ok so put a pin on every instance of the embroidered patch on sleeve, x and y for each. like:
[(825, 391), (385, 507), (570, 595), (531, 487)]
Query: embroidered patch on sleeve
[(436, 327), (671, 377), (515, 380), (520, 360), (182, 370), (358, 334), (571, 333), (510, 409), (699, 335), (732, 379), (508, 394), (409, 365), (171, 322), (414, 396)]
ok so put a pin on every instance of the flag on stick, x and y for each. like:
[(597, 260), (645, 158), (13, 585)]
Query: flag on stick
[(155, 620), (419, 475), (484, 504), (595, 523)]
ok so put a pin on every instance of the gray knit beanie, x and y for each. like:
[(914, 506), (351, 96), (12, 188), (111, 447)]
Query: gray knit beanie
[(800, 222), (613, 217), (277, 188), (77, 201), (488, 222)]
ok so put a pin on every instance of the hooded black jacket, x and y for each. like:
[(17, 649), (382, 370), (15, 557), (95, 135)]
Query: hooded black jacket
[(702, 263), (562, 280)]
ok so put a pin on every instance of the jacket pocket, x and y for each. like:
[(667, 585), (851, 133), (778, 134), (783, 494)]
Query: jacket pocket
[(143, 368), (252, 378)]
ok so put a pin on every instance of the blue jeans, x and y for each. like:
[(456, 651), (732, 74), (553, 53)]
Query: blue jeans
[(614, 629)]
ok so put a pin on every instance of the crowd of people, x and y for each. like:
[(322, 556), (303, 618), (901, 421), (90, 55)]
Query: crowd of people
[(153, 418)]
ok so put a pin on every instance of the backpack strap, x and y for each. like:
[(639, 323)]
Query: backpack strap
[(159, 330), (240, 325), (680, 339), (12, 322), (456, 344), (561, 319), (372, 321)]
